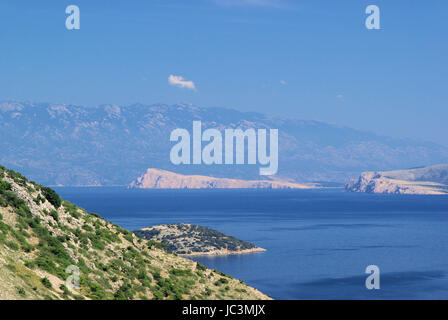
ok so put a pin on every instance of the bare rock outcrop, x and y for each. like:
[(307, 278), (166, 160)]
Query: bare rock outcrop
[(424, 180), (161, 179)]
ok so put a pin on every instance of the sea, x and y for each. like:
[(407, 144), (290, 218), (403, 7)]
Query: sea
[(319, 243)]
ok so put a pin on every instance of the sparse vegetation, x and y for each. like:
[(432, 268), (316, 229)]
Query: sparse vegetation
[(187, 239)]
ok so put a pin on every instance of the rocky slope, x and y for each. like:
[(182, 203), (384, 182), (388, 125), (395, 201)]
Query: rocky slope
[(43, 239), (162, 179), (59, 144), (188, 239), (425, 180)]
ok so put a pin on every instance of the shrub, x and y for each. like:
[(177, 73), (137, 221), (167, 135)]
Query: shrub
[(4, 227), (21, 292), (52, 196), (125, 292), (181, 272), (39, 200), (65, 291), (96, 291), (221, 281), (55, 215), (127, 235), (63, 238), (17, 177), (221, 273), (4, 186), (156, 244), (97, 243), (21, 239), (46, 283), (10, 198), (200, 267), (71, 209), (52, 256), (87, 228), (107, 235), (12, 245)]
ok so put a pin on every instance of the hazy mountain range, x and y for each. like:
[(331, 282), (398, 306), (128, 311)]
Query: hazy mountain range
[(60, 144)]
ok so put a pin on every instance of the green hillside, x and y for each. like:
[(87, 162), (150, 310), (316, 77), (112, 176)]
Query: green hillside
[(41, 235)]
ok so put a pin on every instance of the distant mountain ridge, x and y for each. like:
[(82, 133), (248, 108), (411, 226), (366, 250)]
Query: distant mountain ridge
[(59, 144), (426, 180), (162, 179)]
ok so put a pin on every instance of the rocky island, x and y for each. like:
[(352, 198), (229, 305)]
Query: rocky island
[(188, 239), (162, 179), (424, 180)]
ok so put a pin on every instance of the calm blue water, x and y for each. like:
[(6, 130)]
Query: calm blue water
[(318, 242)]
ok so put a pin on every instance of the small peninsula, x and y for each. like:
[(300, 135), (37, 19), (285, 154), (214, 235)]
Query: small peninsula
[(189, 239), (431, 180), (162, 179)]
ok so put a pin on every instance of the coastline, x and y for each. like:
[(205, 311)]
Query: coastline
[(223, 252)]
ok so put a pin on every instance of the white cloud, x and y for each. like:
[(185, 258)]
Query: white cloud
[(179, 81), (282, 82)]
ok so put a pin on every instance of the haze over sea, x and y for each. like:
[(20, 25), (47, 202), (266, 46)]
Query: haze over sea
[(319, 242)]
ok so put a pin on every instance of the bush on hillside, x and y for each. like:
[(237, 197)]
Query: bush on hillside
[(52, 196)]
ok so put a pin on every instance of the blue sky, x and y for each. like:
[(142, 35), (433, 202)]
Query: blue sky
[(303, 59)]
